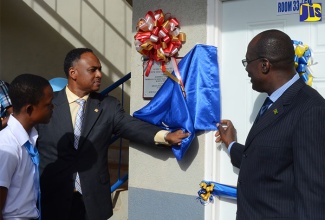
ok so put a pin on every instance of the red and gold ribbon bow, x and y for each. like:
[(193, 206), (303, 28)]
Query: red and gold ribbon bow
[(158, 37)]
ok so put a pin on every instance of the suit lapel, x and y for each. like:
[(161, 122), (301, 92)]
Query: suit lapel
[(276, 111), (271, 115), (62, 111), (93, 111)]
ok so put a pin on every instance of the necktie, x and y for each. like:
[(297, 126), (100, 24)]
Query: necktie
[(264, 107), (77, 132), (33, 153)]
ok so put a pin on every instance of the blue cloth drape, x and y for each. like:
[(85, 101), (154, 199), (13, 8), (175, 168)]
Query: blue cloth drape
[(200, 110)]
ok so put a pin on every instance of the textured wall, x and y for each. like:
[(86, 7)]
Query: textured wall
[(28, 44)]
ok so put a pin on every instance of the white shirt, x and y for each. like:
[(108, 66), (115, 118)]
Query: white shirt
[(17, 171)]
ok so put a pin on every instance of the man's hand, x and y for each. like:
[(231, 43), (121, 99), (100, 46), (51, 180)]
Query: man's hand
[(176, 137), (226, 132)]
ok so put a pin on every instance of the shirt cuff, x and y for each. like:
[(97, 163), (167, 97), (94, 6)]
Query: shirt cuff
[(160, 137), (230, 146)]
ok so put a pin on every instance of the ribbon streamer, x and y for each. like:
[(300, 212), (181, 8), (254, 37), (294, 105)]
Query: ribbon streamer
[(176, 71), (303, 59), (210, 189), (158, 37)]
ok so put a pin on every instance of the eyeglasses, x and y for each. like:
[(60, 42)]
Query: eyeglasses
[(245, 62)]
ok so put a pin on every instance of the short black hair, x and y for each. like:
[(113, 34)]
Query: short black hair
[(72, 56), (276, 46), (26, 89)]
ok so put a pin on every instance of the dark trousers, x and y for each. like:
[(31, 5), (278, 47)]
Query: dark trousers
[(78, 210)]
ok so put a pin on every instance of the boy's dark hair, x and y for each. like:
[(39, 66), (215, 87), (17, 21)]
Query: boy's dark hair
[(26, 89), (73, 56)]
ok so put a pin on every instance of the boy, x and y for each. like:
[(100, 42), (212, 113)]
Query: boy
[(31, 98)]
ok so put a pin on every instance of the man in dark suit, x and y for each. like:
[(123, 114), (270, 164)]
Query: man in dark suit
[(70, 160), (282, 163)]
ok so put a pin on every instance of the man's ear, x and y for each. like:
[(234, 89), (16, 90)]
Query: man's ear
[(72, 73), (265, 66), (29, 109)]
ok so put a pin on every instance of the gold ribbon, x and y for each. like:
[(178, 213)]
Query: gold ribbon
[(158, 37), (208, 189)]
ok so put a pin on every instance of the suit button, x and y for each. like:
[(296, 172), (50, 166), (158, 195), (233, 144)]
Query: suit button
[(244, 155)]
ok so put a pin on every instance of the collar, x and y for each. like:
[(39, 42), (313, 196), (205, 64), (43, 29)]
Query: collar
[(73, 97), (277, 93), (20, 133)]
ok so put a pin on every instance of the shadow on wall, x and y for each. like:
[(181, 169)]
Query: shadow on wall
[(29, 41), (164, 153), (29, 44)]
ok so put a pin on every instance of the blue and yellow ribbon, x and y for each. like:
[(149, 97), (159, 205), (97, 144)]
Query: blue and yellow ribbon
[(210, 189), (303, 61)]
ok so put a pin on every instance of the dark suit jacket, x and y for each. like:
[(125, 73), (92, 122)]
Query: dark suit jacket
[(282, 163), (59, 161)]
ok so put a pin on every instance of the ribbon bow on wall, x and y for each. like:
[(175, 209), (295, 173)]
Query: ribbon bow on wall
[(158, 38)]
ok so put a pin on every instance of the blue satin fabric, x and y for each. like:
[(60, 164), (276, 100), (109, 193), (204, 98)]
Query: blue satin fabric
[(200, 110)]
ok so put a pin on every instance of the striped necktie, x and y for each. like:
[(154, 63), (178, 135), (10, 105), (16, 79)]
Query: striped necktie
[(77, 132)]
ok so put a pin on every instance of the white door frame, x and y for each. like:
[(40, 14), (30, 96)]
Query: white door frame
[(212, 154)]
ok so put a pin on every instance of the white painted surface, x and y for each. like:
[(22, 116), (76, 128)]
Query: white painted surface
[(211, 153)]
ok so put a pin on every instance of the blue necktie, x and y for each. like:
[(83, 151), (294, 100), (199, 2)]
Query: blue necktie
[(264, 108), (33, 153), (77, 132)]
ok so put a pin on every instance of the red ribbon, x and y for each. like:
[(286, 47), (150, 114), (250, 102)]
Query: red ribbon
[(158, 37)]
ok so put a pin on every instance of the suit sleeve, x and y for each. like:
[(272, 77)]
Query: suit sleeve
[(132, 128), (309, 164), (236, 154)]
